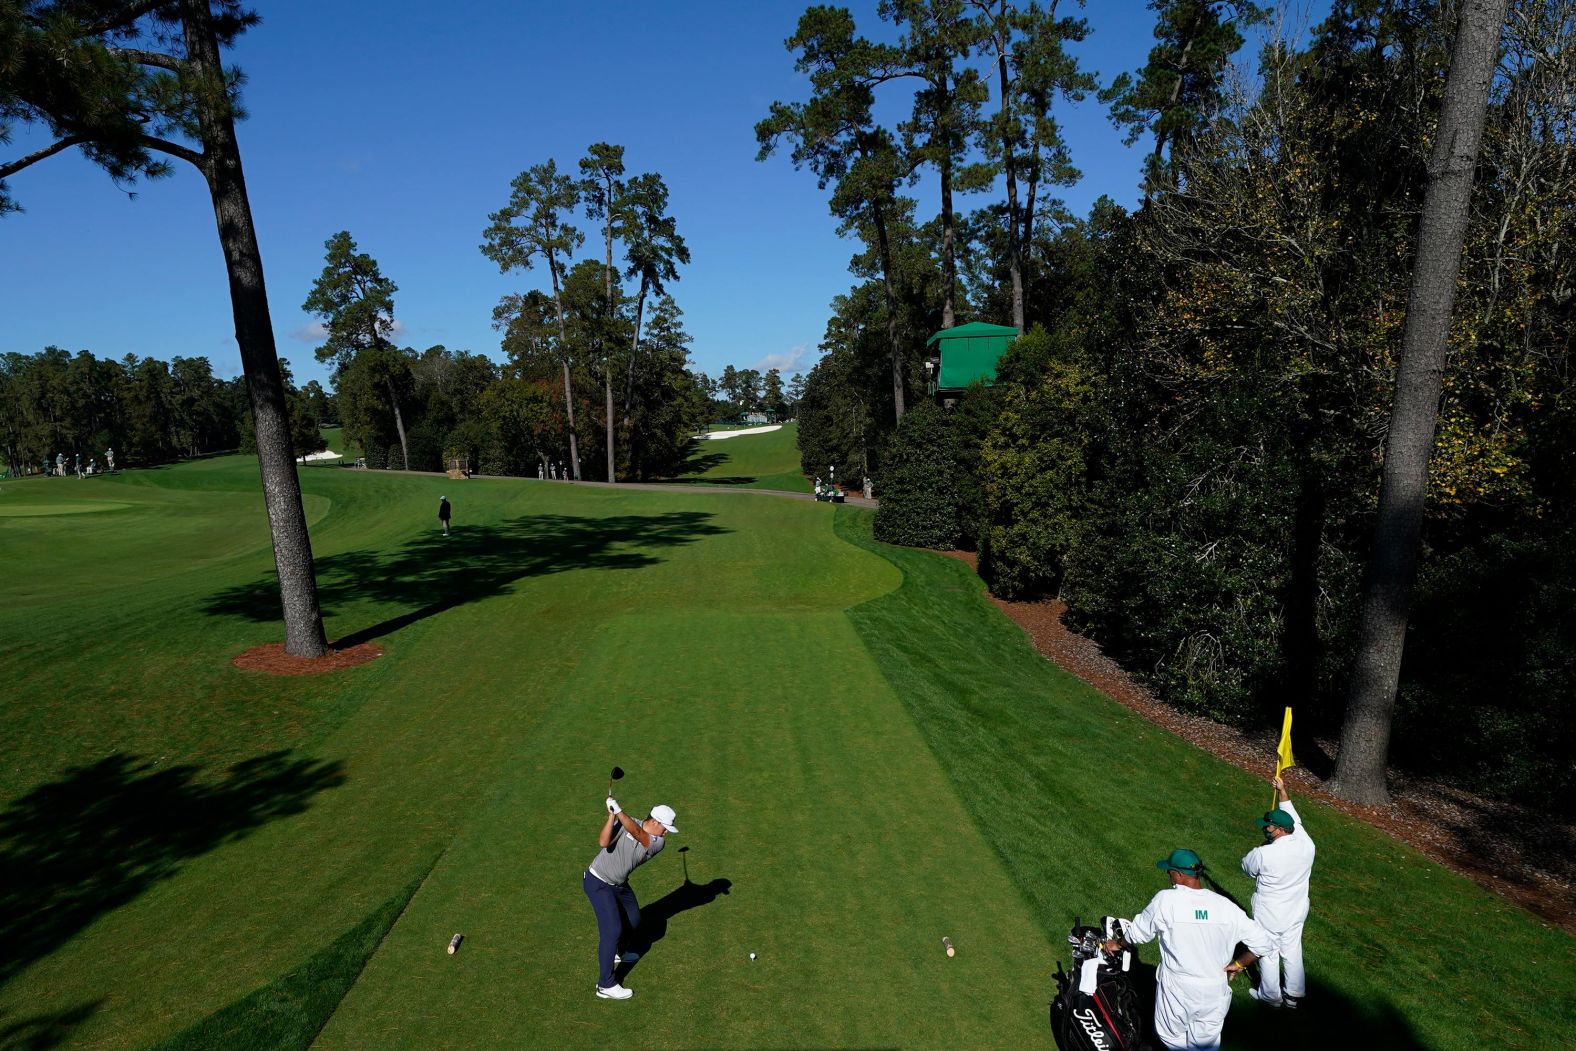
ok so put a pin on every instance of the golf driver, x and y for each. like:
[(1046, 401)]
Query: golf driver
[(617, 774)]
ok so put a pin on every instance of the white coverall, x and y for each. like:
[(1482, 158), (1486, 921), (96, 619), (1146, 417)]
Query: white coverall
[(1199, 931), (1280, 904)]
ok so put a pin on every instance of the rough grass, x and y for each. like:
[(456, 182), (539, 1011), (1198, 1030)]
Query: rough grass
[(1078, 797)]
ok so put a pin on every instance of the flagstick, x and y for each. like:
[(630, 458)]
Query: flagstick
[(1284, 760)]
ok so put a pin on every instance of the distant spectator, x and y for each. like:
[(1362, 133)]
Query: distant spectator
[(444, 511), (109, 456)]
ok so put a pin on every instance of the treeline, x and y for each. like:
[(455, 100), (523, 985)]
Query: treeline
[(149, 411), (1186, 444), (597, 377), (736, 392)]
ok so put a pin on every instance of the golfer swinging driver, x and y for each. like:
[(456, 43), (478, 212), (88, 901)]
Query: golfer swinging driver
[(626, 845)]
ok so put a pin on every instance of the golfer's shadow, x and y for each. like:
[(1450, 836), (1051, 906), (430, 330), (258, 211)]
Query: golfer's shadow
[(655, 916)]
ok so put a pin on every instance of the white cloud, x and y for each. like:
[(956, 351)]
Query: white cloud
[(786, 361)]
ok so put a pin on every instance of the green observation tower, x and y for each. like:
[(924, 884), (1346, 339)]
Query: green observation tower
[(963, 355)]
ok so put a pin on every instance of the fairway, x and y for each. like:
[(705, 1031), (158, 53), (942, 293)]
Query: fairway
[(37, 510), (864, 755), (767, 459)]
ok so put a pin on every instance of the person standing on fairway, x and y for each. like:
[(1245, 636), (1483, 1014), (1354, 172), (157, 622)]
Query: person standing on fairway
[(1198, 931), (444, 510), (626, 845), (1281, 869)]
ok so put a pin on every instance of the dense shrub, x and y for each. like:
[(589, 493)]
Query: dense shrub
[(426, 447), (1031, 465), (920, 489), (1490, 669)]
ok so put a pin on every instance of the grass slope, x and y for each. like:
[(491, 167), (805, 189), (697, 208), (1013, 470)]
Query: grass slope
[(1078, 797), (750, 461), (864, 754), (181, 841)]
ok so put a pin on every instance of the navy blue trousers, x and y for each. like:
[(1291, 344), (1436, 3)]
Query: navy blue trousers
[(615, 908)]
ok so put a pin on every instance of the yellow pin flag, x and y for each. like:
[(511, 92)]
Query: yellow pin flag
[(1283, 756)]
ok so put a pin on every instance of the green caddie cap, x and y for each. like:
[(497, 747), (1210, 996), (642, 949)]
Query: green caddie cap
[(1278, 818), (1181, 860)]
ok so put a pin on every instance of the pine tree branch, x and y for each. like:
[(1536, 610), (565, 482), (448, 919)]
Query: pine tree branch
[(33, 158), (173, 149), (149, 58), (124, 17)]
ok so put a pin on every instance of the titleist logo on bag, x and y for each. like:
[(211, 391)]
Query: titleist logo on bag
[(1092, 1027)]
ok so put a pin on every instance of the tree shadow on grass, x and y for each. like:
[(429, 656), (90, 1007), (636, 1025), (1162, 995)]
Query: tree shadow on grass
[(44, 1031), (84, 845), (731, 479), (700, 462), (433, 573)]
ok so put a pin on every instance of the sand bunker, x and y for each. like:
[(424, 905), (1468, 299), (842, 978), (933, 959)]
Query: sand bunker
[(719, 435)]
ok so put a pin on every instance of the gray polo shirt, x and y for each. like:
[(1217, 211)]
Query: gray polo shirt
[(613, 864)]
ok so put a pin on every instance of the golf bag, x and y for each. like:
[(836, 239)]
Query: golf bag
[(1096, 1008)]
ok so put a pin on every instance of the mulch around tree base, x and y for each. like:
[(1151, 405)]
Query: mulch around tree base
[(1522, 854), (272, 659)]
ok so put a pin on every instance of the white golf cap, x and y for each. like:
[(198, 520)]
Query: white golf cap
[(665, 816)]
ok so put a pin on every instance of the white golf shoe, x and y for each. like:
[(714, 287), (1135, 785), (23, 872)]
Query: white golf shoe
[(614, 992), (1255, 994)]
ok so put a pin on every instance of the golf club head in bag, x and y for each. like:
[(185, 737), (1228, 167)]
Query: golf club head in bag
[(1095, 1007)]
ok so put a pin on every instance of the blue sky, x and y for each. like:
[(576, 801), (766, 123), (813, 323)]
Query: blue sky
[(405, 123)]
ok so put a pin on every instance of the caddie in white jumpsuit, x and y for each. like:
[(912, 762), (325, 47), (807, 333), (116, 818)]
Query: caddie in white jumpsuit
[(1281, 867), (1199, 931)]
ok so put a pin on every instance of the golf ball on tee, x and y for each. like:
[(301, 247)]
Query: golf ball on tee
[(752, 956)]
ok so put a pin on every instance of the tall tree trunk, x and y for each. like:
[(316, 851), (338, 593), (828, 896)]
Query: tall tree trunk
[(569, 391), (607, 387), (607, 360), (1163, 137), (254, 335), (1392, 569), (891, 297), (949, 264), (1009, 162), (1026, 237), (634, 352), (399, 421)]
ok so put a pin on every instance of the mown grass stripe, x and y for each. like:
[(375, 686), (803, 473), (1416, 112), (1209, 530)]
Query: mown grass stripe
[(288, 1013), (1079, 796)]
